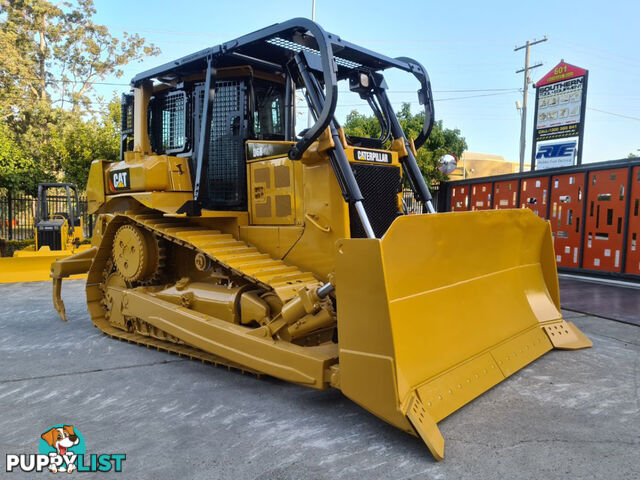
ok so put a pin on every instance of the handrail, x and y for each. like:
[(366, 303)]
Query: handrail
[(329, 69), (425, 97)]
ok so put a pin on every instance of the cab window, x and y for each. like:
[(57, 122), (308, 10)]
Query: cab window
[(268, 114)]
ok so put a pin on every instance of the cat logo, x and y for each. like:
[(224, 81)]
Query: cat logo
[(119, 180), (372, 156)]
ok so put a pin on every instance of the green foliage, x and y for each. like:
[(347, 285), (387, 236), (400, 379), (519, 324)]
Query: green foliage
[(55, 52), (441, 141), (62, 150), (11, 246), (85, 141), (360, 125), (51, 55), (17, 170)]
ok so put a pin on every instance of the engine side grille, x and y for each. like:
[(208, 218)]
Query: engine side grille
[(379, 186)]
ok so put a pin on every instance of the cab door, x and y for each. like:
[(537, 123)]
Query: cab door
[(225, 177)]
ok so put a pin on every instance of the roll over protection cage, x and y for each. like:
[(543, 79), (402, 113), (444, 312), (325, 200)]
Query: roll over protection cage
[(71, 194), (272, 48)]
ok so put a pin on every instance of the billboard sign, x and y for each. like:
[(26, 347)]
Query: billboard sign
[(556, 153), (559, 115)]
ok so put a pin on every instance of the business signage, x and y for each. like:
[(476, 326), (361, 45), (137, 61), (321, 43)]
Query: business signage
[(559, 117), (556, 153)]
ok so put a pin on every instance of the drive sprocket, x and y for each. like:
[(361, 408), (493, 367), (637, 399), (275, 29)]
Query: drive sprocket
[(136, 253)]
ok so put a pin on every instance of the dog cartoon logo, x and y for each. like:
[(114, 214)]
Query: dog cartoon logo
[(62, 448), (62, 443)]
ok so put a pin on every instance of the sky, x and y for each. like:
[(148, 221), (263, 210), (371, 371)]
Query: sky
[(467, 47)]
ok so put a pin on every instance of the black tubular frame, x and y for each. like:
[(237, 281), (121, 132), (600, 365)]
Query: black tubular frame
[(425, 97), (207, 107), (409, 163), (338, 158), (261, 48), (42, 212)]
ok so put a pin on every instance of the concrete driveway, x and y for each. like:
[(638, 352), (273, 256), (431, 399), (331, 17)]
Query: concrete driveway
[(568, 415)]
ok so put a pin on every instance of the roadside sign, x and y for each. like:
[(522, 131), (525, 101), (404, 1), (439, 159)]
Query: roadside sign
[(558, 124)]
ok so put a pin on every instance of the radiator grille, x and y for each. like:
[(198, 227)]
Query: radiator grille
[(379, 186), (49, 236)]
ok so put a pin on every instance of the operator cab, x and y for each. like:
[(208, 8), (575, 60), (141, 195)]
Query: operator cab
[(233, 104), (247, 105)]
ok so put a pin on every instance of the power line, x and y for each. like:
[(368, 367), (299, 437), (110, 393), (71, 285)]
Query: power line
[(435, 100), (527, 81), (62, 80), (477, 90), (637, 119), (451, 91), (114, 84), (476, 96)]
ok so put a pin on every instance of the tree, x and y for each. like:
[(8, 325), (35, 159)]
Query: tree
[(360, 125), (441, 141), (59, 53), (17, 171), (51, 56), (85, 141)]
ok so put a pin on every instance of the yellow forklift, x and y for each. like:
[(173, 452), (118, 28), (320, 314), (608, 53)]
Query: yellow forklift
[(58, 232)]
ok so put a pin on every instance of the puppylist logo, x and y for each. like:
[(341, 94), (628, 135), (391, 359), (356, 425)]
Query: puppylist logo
[(62, 449)]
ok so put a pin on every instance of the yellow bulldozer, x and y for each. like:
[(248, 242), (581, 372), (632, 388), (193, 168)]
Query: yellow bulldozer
[(58, 232), (223, 235)]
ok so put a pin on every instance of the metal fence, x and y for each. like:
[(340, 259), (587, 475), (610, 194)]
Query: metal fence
[(593, 210), (412, 205), (18, 214)]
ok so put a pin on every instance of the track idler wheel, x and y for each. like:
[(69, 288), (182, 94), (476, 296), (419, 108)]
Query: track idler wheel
[(135, 253)]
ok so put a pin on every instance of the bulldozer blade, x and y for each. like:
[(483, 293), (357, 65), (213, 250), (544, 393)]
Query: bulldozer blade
[(30, 266), (74, 266), (441, 309)]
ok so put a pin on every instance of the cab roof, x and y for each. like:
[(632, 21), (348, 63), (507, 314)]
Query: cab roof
[(271, 48)]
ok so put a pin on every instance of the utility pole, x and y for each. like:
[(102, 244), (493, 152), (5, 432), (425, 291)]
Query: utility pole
[(527, 81)]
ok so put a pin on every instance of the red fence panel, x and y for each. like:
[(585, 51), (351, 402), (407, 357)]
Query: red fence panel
[(633, 239), (534, 195), (460, 198), (605, 220), (593, 210), (505, 194), (481, 196), (567, 202)]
